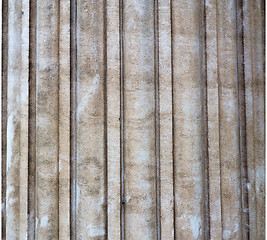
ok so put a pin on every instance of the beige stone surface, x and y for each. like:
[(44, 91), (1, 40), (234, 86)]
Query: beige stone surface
[(213, 122), (90, 122), (47, 125), (64, 121), (133, 119), (165, 120), (255, 91), (228, 127), (139, 120), (24, 115), (250, 118), (114, 119), (13, 121), (187, 120)]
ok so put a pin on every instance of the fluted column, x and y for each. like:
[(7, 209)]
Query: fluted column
[(133, 119)]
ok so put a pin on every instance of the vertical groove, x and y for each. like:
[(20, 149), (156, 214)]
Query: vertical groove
[(219, 93), (122, 123), (73, 126), (157, 117), (173, 127), (253, 112), (105, 118), (263, 41), (32, 124), (263, 27), (4, 109), (58, 112), (204, 120), (242, 116)]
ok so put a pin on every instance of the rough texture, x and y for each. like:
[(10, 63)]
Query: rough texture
[(229, 148), (90, 122), (134, 119), (213, 122), (165, 120), (187, 120), (47, 125), (113, 94), (64, 121)]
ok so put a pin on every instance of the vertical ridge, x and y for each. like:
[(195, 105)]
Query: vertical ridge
[(14, 120), (258, 92), (32, 124), (165, 120), (73, 104), (248, 63), (47, 83), (113, 119), (24, 101), (212, 97), (139, 127), (90, 203), (229, 131), (187, 120), (64, 120)]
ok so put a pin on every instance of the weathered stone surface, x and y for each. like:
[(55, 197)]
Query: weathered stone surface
[(187, 120), (229, 133), (139, 120), (90, 122), (113, 97), (47, 125), (13, 121), (134, 119), (165, 120), (213, 122), (64, 121)]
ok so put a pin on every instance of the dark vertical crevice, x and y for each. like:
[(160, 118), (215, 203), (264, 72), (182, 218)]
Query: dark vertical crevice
[(263, 27), (122, 209), (73, 115), (253, 104), (219, 113), (32, 123), (4, 109), (204, 121), (105, 118), (173, 119), (263, 54), (58, 111), (240, 84), (263, 39), (157, 117)]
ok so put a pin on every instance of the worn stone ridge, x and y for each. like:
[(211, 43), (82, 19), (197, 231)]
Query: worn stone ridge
[(137, 119)]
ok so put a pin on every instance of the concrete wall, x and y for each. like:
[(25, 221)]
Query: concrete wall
[(133, 119)]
